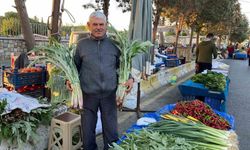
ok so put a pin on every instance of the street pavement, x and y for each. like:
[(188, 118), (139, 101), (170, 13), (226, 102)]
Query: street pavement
[(237, 104)]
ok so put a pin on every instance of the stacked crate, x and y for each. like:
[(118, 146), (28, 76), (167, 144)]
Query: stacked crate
[(27, 83)]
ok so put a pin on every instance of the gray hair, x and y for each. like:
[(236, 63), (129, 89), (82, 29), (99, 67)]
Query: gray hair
[(98, 14)]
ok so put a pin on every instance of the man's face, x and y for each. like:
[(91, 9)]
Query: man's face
[(97, 27)]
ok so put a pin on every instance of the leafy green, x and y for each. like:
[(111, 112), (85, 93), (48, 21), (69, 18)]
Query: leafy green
[(152, 140), (3, 104), (19, 131), (212, 80)]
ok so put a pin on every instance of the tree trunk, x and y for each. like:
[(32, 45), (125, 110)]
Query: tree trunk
[(156, 23), (219, 42), (106, 8), (191, 37), (25, 24), (179, 25), (197, 38), (55, 18)]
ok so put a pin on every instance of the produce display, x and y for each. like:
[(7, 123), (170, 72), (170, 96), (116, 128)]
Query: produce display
[(196, 133), (178, 133), (212, 80), (62, 57), (56, 84), (30, 69), (202, 112), (128, 50), (18, 127), (152, 140)]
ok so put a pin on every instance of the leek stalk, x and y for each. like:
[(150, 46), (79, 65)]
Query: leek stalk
[(62, 57)]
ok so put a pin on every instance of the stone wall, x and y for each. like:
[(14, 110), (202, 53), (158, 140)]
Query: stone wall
[(10, 45)]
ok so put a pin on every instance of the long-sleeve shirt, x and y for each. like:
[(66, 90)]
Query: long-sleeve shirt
[(204, 52)]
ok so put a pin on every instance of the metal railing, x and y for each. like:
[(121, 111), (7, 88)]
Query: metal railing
[(15, 29)]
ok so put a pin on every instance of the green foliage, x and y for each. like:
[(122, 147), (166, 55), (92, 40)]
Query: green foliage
[(10, 26), (239, 32), (152, 140), (3, 104), (184, 34), (169, 33), (11, 14), (18, 132), (212, 80)]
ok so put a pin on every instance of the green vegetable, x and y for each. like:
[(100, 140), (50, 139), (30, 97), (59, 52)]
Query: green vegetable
[(18, 127), (151, 140), (56, 84), (198, 133), (128, 50), (212, 80), (62, 57)]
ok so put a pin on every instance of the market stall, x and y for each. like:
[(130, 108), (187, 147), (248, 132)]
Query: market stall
[(23, 121), (212, 86), (240, 55), (167, 129)]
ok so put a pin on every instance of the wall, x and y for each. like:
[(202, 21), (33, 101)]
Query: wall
[(14, 45)]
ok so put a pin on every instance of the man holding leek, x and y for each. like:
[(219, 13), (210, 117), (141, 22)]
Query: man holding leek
[(97, 61)]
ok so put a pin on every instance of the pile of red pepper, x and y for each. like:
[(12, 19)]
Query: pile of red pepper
[(202, 112)]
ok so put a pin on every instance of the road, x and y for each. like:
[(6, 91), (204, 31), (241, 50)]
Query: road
[(238, 102)]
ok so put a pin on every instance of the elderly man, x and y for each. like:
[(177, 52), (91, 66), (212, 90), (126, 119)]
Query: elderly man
[(97, 61)]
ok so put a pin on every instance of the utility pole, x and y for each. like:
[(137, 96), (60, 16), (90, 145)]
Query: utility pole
[(55, 20), (25, 24)]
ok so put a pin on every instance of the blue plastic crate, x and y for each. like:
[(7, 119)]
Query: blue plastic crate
[(214, 103), (16, 79), (172, 56), (172, 62)]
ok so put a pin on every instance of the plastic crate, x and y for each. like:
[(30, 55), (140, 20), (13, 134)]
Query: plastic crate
[(16, 80), (172, 62), (214, 103), (172, 56)]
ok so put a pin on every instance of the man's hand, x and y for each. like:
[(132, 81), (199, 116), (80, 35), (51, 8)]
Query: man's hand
[(68, 85), (129, 85), (119, 102)]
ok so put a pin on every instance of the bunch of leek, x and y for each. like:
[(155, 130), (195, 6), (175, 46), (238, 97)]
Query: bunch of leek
[(128, 50), (62, 57), (194, 132)]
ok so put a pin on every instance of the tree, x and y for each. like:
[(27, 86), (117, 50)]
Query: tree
[(209, 13), (125, 5), (239, 33), (178, 12), (25, 24), (99, 5)]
